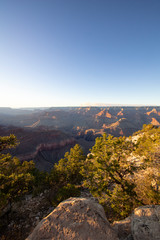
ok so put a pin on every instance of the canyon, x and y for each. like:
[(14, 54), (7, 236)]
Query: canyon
[(46, 134)]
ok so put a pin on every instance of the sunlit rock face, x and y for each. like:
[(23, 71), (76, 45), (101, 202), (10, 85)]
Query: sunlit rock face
[(142, 224), (145, 223), (75, 219)]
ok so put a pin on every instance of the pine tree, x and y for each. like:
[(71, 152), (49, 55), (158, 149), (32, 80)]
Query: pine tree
[(15, 177)]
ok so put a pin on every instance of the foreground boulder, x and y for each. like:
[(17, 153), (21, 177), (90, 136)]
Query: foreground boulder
[(145, 223), (75, 219)]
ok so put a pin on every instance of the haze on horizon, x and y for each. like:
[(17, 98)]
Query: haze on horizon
[(69, 53)]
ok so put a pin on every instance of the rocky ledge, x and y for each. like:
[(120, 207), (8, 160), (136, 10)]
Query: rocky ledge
[(84, 219)]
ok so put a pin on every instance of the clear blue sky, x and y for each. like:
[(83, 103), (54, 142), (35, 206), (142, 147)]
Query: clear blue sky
[(72, 52)]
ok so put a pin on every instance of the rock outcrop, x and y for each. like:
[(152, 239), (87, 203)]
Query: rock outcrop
[(145, 223), (75, 219), (123, 228)]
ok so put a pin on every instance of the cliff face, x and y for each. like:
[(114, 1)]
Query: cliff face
[(43, 146)]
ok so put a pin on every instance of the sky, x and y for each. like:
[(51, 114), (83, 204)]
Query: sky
[(79, 52)]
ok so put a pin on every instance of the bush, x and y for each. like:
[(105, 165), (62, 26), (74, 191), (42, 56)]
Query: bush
[(65, 192)]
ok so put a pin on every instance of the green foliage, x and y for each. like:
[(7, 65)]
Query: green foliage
[(67, 170), (148, 185), (148, 148), (148, 144), (121, 172), (66, 175), (65, 192), (124, 173), (108, 174), (40, 181), (15, 177), (7, 142)]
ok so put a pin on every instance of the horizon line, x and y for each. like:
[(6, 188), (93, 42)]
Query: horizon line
[(85, 105)]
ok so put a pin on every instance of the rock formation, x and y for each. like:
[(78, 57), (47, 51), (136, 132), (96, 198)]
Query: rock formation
[(123, 228), (155, 122), (145, 223), (75, 218)]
